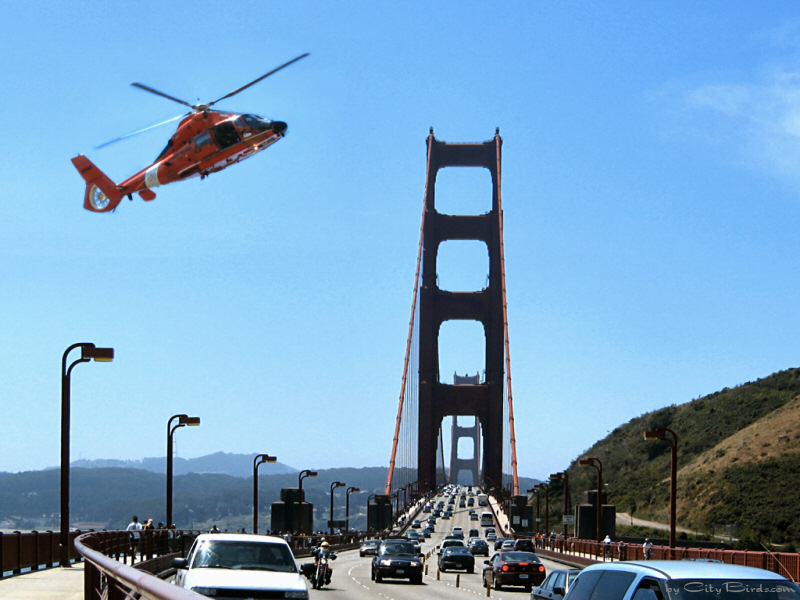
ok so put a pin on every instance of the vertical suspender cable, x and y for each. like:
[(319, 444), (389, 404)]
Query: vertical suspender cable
[(410, 327)]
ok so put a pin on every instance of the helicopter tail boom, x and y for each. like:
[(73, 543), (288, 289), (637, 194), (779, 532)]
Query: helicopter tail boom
[(102, 194)]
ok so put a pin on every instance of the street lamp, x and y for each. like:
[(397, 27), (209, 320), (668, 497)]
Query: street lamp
[(595, 462), (183, 421), (258, 460), (661, 434), (88, 352), (334, 485), (563, 475), (546, 488), (303, 475), (347, 493)]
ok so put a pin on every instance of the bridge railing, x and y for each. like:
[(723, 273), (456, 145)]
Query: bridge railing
[(31, 550), (106, 577), (584, 552)]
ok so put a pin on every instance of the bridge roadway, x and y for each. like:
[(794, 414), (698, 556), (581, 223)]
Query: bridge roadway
[(351, 578)]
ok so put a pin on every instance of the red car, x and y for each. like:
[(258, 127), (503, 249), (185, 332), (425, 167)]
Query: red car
[(513, 568)]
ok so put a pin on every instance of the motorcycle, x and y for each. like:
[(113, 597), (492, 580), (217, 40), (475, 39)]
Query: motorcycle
[(322, 571)]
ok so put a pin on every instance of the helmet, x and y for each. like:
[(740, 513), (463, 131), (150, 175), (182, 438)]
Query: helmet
[(324, 545)]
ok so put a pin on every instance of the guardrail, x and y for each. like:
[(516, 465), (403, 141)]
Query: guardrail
[(31, 551), (584, 552)]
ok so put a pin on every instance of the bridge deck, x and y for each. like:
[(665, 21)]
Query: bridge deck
[(47, 584)]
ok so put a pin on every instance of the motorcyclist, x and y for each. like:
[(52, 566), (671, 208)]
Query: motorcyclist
[(324, 551)]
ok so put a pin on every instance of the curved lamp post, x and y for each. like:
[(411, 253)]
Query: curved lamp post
[(260, 459), (563, 475), (661, 434), (595, 462), (88, 352), (347, 493), (183, 421), (334, 485), (303, 474)]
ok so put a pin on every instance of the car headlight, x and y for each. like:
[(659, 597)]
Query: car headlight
[(386, 563)]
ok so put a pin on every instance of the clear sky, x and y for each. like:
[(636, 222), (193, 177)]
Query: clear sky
[(651, 185)]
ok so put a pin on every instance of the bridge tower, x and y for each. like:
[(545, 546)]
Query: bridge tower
[(471, 432), (437, 399)]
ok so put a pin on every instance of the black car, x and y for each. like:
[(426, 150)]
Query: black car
[(397, 559), (457, 557), (513, 568)]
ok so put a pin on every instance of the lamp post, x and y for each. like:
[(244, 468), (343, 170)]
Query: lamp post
[(563, 475), (347, 493), (183, 421), (595, 462), (546, 488), (661, 434), (260, 459), (88, 352), (334, 485), (303, 475)]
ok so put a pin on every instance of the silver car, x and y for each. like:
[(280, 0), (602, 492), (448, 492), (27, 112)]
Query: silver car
[(680, 580)]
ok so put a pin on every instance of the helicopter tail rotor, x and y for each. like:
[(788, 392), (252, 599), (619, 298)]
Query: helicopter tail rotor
[(102, 194)]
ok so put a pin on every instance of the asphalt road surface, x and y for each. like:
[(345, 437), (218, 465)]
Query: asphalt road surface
[(351, 573)]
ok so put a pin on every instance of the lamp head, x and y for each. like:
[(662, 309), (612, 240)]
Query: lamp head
[(92, 352), (190, 421), (656, 434)]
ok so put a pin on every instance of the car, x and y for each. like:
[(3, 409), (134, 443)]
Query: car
[(447, 514), (458, 533), (396, 559), (555, 585), (479, 546), (235, 565), (524, 544), (369, 547), (416, 524), (429, 530), (471, 502), (449, 542), (507, 545), (473, 533), (491, 536), (457, 557), (498, 542), (674, 579), (514, 568), (473, 516)]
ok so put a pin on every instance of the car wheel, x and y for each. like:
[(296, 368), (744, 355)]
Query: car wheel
[(378, 578), (442, 569), (497, 585), (417, 579)]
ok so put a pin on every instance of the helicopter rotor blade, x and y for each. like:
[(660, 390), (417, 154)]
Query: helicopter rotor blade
[(133, 133), (255, 81), (147, 88)]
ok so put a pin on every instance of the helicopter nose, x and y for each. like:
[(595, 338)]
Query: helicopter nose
[(279, 127)]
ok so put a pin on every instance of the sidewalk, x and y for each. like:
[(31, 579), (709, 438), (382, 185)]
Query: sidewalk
[(49, 584)]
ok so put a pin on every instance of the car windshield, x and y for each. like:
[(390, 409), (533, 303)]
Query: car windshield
[(402, 548), (256, 556), (720, 589), (529, 557), (457, 550)]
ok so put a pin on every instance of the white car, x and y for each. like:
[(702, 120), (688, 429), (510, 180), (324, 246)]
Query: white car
[(236, 565)]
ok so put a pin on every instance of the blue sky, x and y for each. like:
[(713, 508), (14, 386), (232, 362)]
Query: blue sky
[(650, 185)]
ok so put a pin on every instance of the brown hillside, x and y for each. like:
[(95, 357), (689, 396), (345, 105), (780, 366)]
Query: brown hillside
[(776, 434)]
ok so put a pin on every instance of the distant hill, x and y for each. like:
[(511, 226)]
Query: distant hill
[(236, 465), (738, 461)]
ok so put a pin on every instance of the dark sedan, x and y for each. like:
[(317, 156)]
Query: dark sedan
[(457, 558), (513, 568), (479, 546), (397, 560)]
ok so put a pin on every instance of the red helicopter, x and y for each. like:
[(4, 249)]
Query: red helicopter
[(205, 142)]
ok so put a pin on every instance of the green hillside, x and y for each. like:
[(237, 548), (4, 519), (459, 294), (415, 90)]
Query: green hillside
[(738, 460)]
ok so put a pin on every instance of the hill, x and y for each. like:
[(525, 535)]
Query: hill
[(738, 459), (236, 465)]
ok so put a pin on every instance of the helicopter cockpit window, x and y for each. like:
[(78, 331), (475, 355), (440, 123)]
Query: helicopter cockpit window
[(256, 123), (202, 140)]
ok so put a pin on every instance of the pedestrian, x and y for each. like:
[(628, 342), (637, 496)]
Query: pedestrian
[(134, 528), (648, 549), (607, 546)]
